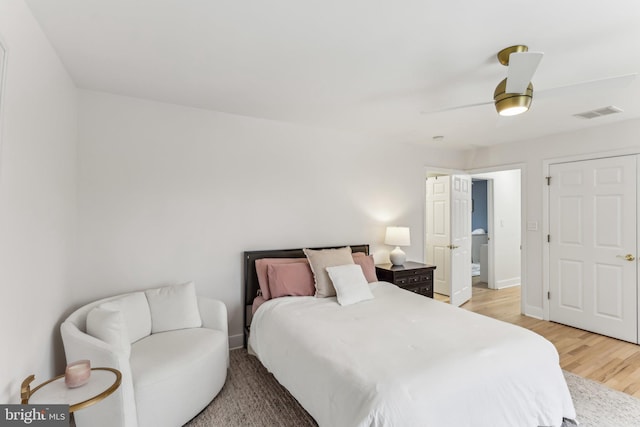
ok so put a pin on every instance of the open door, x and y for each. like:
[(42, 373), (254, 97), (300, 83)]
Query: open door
[(448, 242), (438, 232), (460, 246)]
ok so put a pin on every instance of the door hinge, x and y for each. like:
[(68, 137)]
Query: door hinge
[(548, 238), (548, 295), (548, 178)]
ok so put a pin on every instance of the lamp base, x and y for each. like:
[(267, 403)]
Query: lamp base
[(397, 256)]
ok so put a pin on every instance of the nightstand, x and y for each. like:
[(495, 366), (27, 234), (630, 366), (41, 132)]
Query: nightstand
[(412, 276)]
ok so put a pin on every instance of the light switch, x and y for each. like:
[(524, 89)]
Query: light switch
[(532, 225)]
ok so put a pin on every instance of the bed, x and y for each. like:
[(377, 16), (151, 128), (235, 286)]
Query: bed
[(401, 359)]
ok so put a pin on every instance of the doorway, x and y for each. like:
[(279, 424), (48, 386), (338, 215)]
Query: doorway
[(499, 244), (480, 218), (501, 259)]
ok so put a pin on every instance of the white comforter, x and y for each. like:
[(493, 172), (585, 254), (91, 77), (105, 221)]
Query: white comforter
[(405, 360)]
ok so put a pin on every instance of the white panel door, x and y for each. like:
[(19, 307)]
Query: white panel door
[(592, 225), (438, 232), (460, 248)]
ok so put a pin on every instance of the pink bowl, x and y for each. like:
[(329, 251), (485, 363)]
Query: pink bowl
[(77, 373)]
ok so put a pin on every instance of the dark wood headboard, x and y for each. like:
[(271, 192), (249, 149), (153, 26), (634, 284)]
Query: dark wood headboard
[(251, 286)]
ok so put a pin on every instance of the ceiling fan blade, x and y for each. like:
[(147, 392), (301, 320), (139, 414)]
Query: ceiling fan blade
[(522, 66), (457, 107), (608, 83)]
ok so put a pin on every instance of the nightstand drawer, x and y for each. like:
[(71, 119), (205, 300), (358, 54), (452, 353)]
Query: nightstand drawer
[(400, 281), (422, 278), (425, 289), (413, 273), (411, 280)]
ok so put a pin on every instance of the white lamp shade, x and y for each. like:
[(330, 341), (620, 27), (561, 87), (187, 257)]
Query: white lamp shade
[(397, 236)]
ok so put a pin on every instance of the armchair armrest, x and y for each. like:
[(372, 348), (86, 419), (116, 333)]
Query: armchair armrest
[(119, 410), (80, 345), (213, 313)]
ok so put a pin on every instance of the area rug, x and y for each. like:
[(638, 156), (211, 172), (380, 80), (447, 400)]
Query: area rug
[(252, 397), (600, 406)]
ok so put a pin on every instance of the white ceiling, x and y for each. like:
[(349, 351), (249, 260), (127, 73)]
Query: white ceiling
[(371, 66)]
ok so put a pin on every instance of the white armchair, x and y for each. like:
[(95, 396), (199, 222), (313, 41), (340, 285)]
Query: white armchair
[(168, 376)]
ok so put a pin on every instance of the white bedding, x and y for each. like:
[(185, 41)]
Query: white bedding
[(405, 360)]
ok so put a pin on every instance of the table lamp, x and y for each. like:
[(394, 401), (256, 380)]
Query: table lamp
[(397, 236)]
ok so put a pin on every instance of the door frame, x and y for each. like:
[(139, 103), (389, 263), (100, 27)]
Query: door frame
[(491, 279), (523, 242), (546, 164)]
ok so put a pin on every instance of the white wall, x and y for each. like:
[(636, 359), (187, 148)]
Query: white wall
[(618, 136), (505, 229), (169, 194), (37, 201)]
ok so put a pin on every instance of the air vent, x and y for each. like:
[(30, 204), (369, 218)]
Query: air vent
[(606, 111)]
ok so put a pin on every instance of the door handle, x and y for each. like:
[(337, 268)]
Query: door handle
[(627, 257), (453, 247)]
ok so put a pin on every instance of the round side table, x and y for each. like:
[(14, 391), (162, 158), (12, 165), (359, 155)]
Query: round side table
[(102, 383)]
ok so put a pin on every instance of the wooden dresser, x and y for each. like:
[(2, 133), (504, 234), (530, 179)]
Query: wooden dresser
[(412, 276)]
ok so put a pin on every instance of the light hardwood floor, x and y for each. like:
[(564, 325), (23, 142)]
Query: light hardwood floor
[(607, 360)]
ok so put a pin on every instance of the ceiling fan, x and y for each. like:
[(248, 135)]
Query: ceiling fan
[(514, 94)]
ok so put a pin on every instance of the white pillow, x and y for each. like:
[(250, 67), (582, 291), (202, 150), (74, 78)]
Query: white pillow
[(319, 260), (106, 323), (173, 307), (135, 313), (350, 283)]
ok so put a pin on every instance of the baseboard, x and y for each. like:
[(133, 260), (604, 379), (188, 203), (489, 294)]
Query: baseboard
[(507, 283), (236, 341), (535, 312)]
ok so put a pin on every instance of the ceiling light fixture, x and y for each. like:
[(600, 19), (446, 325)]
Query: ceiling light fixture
[(511, 104)]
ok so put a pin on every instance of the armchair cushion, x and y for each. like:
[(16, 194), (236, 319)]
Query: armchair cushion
[(180, 371), (106, 323), (166, 356), (173, 307), (135, 311)]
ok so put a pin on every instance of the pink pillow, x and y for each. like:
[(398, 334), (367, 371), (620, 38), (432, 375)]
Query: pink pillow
[(367, 264), (261, 270), (257, 302), (295, 279)]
